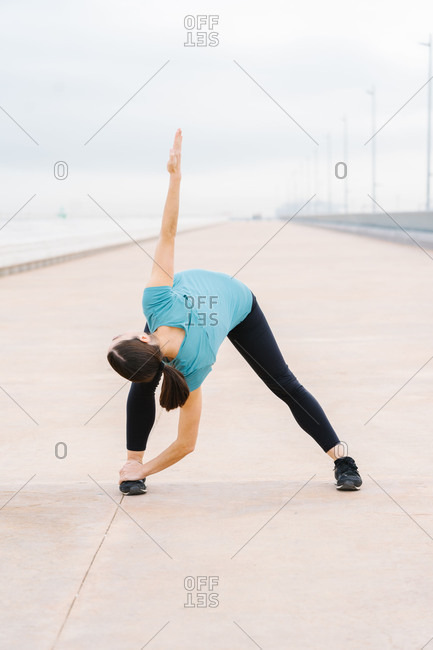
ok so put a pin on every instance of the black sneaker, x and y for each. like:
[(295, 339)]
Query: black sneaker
[(346, 475), (133, 487)]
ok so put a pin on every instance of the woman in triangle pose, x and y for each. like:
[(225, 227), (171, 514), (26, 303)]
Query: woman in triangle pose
[(188, 316)]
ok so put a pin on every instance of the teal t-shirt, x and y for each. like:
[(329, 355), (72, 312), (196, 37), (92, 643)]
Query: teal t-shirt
[(207, 305)]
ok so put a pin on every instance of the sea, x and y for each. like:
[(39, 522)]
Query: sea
[(25, 239)]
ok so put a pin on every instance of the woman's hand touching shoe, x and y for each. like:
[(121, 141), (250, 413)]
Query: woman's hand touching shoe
[(131, 471)]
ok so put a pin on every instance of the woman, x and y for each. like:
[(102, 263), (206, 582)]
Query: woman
[(188, 316)]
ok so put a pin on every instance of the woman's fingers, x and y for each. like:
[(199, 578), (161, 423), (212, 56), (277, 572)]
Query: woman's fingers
[(173, 165), (177, 144), (131, 471)]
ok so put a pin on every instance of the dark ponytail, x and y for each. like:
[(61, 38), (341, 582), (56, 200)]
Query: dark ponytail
[(139, 362), (174, 389)]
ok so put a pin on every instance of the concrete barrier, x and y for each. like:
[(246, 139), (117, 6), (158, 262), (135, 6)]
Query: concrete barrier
[(402, 227)]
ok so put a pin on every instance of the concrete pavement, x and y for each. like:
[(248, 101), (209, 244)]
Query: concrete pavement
[(251, 521)]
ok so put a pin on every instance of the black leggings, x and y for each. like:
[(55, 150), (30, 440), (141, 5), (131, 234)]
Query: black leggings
[(254, 340)]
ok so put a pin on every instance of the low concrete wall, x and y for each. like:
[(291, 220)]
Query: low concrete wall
[(403, 227), (408, 220)]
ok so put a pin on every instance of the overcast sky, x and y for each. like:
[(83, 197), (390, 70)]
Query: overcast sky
[(67, 67)]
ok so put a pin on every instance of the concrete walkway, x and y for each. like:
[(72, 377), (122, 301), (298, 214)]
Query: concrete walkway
[(251, 521)]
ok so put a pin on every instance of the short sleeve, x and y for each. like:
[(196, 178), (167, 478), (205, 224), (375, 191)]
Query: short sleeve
[(156, 298), (197, 377)]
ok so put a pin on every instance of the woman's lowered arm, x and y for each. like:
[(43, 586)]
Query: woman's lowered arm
[(189, 420)]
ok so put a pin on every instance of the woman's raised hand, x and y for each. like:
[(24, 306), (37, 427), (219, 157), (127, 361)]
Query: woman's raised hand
[(173, 165)]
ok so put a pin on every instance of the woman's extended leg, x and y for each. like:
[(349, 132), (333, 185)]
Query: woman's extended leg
[(254, 340)]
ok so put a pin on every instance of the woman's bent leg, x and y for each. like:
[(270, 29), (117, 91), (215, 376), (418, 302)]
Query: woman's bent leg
[(254, 340), (140, 416), (140, 412)]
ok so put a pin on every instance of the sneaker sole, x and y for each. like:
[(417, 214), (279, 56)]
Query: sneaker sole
[(134, 489), (348, 487)]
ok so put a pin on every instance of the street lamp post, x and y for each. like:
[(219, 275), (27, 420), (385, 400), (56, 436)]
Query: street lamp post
[(429, 45), (372, 92), (345, 155), (328, 141)]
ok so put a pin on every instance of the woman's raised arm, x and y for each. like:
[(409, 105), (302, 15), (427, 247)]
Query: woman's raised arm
[(163, 266)]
